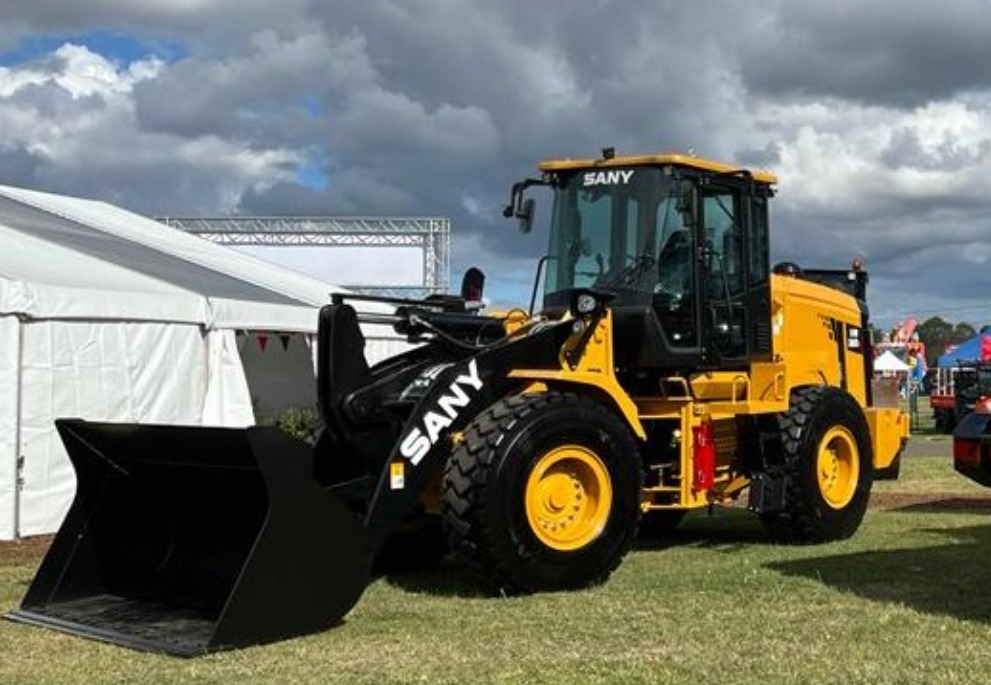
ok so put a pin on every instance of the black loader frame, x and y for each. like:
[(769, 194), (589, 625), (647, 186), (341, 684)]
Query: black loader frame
[(188, 540)]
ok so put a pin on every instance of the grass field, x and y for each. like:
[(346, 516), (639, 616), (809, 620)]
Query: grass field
[(907, 600)]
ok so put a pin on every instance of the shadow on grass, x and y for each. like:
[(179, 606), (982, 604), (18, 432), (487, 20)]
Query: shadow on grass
[(725, 528), (943, 580), (948, 505), (449, 578)]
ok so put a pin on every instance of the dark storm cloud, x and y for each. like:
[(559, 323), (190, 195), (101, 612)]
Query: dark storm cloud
[(876, 115), (18, 167), (209, 25), (524, 82), (418, 106), (257, 94), (902, 54)]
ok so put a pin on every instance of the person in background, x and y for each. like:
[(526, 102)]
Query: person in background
[(918, 371)]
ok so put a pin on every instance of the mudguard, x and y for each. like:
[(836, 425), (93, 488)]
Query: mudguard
[(972, 447)]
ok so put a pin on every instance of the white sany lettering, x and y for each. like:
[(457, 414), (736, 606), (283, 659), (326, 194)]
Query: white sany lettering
[(472, 378), (418, 442), (458, 398), (435, 423), (414, 446), (604, 178)]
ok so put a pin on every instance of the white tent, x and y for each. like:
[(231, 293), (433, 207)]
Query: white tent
[(889, 362), (108, 315)]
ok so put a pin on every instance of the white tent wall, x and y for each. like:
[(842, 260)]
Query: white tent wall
[(9, 423), (143, 372), (228, 397)]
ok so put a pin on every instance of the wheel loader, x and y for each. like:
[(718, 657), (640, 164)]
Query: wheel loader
[(668, 368)]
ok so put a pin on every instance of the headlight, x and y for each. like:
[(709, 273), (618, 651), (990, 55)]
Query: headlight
[(586, 304)]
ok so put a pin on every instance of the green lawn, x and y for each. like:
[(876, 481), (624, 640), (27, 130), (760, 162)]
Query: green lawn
[(905, 601)]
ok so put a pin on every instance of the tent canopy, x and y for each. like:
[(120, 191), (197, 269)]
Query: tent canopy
[(967, 351), (63, 257), (889, 362)]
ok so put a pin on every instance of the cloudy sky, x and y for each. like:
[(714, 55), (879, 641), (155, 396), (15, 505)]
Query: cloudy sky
[(875, 115)]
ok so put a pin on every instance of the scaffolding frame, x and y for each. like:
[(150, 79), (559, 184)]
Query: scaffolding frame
[(431, 234)]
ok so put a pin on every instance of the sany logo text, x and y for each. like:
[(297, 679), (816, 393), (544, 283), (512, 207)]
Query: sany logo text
[(607, 178), (415, 445)]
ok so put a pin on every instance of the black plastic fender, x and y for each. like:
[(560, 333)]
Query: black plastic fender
[(972, 447)]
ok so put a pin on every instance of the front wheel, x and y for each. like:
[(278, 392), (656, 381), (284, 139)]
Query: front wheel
[(825, 452), (543, 493)]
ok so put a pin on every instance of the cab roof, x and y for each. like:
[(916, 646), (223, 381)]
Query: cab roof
[(675, 159)]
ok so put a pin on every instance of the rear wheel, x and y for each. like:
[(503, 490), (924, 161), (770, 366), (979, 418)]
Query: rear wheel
[(825, 451), (543, 492)]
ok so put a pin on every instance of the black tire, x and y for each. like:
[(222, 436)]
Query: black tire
[(493, 487), (825, 422), (659, 524)]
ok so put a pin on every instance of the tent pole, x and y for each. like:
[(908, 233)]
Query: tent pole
[(18, 412)]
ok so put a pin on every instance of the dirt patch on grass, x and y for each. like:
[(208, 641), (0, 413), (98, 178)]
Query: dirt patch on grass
[(32, 549), (17, 552), (929, 446)]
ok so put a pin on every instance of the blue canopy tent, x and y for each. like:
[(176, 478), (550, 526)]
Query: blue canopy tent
[(969, 350)]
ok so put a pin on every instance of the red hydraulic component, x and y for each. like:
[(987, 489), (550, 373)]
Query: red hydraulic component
[(705, 456)]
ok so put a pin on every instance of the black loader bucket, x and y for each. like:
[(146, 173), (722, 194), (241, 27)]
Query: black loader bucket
[(189, 540)]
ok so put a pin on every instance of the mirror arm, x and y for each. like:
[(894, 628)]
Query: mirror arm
[(515, 206)]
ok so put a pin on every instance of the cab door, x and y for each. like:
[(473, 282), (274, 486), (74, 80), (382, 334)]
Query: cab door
[(723, 267), (758, 296)]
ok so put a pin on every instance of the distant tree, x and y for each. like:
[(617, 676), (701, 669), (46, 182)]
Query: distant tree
[(874, 332), (963, 331), (938, 334)]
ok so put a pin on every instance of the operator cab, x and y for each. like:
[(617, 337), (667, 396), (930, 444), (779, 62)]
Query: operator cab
[(680, 242)]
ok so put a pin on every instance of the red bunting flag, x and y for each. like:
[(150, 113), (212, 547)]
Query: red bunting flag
[(262, 341)]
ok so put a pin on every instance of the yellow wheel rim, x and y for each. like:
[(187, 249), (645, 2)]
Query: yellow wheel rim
[(838, 467), (568, 496)]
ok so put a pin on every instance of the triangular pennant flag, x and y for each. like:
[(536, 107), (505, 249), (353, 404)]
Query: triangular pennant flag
[(262, 341), (284, 338)]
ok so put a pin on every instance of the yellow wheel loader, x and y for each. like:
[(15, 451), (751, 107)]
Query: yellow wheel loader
[(669, 368)]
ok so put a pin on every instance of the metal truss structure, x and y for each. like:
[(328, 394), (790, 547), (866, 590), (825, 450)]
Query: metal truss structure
[(431, 235)]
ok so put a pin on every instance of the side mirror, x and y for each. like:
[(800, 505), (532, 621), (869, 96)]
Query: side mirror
[(520, 207), (525, 215)]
